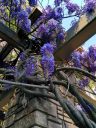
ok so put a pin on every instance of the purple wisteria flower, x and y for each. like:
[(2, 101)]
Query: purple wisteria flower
[(57, 2), (76, 59), (92, 58), (22, 56), (53, 13), (92, 52), (93, 66), (58, 15), (16, 2), (30, 66), (23, 15), (32, 2), (90, 5), (83, 83), (16, 11), (47, 49), (24, 21), (26, 25), (5, 2), (72, 7), (60, 36), (42, 29), (52, 24), (29, 10), (23, 1), (47, 60), (48, 65)]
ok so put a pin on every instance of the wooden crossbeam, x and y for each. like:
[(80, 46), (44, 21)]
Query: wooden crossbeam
[(5, 98), (77, 35), (10, 37), (5, 51), (36, 13)]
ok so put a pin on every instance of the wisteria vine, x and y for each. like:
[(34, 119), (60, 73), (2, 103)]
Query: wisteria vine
[(50, 31), (47, 33)]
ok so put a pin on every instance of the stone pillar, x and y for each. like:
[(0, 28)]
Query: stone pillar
[(39, 113)]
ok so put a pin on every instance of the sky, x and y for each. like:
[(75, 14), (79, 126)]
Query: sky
[(67, 22)]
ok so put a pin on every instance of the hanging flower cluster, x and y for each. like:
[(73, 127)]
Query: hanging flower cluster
[(76, 59), (83, 82), (18, 10), (90, 6), (24, 22), (58, 2), (32, 2), (30, 66), (85, 60), (72, 8), (51, 30), (47, 60)]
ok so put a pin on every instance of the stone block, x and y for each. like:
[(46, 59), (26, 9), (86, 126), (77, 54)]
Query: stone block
[(54, 102), (54, 125), (40, 119), (60, 112), (50, 108), (60, 117), (36, 127), (44, 106), (54, 119), (9, 121), (34, 118), (60, 108)]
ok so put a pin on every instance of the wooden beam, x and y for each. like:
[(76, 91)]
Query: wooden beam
[(5, 98), (5, 51), (10, 37), (36, 13), (77, 35), (12, 40)]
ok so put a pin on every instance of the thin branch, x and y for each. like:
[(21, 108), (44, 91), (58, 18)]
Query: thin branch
[(39, 94), (73, 90), (91, 76), (79, 118), (69, 16), (7, 21), (4, 70), (17, 84)]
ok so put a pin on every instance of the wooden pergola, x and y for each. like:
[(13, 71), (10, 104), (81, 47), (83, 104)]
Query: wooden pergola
[(76, 36)]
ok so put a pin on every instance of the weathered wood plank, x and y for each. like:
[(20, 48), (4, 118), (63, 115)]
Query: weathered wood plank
[(10, 37), (5, 51), (5, 97), (77, 35)]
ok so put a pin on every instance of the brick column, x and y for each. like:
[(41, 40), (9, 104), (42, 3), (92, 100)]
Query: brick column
[(39, 113)]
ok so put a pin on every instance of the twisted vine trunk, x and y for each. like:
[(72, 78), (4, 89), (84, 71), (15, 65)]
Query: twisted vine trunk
[(79, 118), (73, 91)]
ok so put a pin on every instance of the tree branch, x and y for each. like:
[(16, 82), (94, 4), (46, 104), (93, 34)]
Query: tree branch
[(91, 76)]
